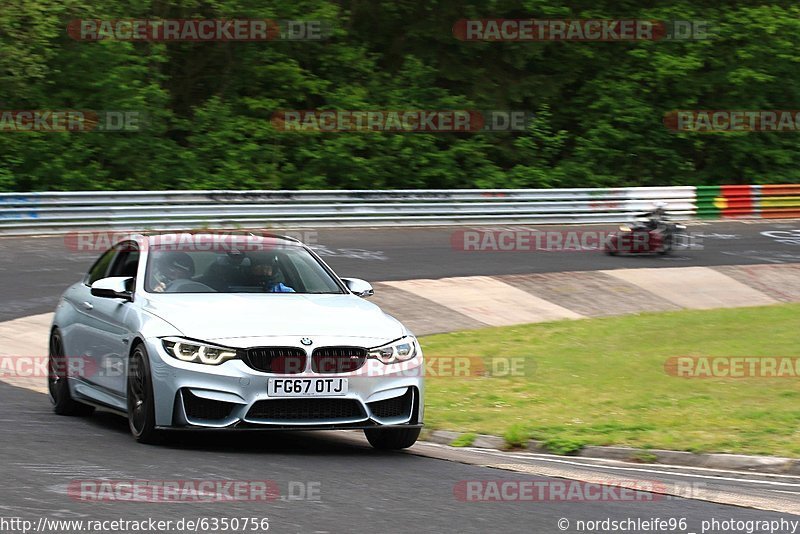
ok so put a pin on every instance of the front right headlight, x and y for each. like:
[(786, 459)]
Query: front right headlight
[(401, 350), (187, 350)]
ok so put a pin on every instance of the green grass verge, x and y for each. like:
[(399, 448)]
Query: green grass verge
[(464, 440), (603, 382)]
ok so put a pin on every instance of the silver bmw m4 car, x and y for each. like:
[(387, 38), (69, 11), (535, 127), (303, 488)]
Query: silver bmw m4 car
[(184, 331)]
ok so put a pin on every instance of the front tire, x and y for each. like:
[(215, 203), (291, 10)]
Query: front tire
[(391, 439), (57, 386), (141, 403)]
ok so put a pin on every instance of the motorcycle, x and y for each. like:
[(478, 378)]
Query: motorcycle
[(643, 238)]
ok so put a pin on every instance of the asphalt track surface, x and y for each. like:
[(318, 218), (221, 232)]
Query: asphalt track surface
[(34, 271), (356, 488), (359, 489)]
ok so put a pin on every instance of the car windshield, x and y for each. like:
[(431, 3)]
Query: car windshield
[(273, 269)]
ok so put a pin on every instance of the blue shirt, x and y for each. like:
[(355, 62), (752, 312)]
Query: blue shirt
[(280, 288)]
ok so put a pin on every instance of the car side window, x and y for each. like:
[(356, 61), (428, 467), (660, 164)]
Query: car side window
[(99, 268), (127, 260)]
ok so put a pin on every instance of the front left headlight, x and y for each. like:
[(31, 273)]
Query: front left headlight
[(401, 350), (187, 350)]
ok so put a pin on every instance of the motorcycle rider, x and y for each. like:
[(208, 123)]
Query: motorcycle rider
[(657, 217), (651, 231)]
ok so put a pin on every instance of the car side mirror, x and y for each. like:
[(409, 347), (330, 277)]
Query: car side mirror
[(358, 287), (114, 287)]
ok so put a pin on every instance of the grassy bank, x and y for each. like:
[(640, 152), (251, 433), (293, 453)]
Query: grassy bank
[(603, 382)]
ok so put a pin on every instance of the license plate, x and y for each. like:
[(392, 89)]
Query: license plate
[(306, 387)]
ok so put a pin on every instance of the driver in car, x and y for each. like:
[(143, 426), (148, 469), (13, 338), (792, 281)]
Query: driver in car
[(267, 277), (170, 267)]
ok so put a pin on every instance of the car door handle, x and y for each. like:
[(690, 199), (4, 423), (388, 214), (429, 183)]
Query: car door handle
[(87, 305)]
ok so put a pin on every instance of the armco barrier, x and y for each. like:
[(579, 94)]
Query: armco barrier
[(752, 201), (779, 201), (725, 201), (59, 212)]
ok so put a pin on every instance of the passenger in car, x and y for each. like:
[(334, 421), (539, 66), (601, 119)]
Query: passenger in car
[(266, 276)]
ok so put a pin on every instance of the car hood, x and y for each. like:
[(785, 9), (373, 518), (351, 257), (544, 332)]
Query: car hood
[(212, 316)]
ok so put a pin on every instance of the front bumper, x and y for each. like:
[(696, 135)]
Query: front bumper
[(234, 395)]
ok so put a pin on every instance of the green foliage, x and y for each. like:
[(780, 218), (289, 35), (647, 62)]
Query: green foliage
[(516, 436), (464, 440), (564, 445), (643, 457), (598, 106)]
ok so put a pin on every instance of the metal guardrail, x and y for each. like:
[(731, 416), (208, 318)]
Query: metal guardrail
[(762, 201), (61, 212)]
